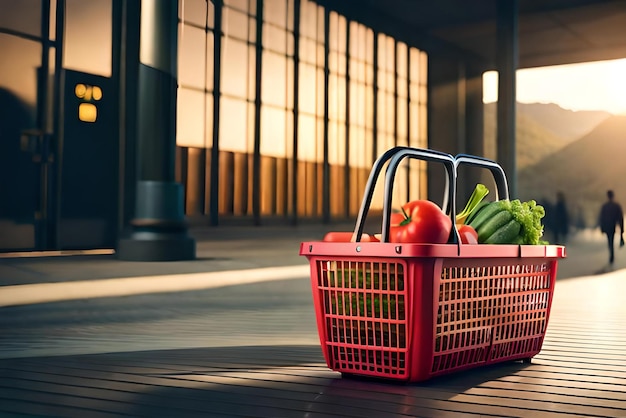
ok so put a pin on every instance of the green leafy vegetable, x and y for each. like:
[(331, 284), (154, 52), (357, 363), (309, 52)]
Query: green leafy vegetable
[(494, 227), (529, 215)]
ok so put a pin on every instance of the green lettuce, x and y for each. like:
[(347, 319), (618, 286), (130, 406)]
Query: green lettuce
[(529, 215)]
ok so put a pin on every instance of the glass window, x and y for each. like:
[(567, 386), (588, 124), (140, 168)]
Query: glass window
[(211, 14), (355, 103), (357, 146), (21, 16), (337, 143), (290, 83), (402, 121), (423, 97), (190, 118), (233, 125), (275, 12), (308, 51), (342, 32), (361, 108), (277, 82), (319, 87), (251, 73), (88, 36), (414, 64), (417, 98), (19, 75), (242, 5), (402, 67), (235, 24), (308, 20), (386, 93), (337, 98), (337, 140), (307, 137), (354, 39), (274, 87), (195, 77), (191, 58), (414, 126), (307, 88), (422, 140), (210, 63), (273, 131), (235, 68), (401, 60), (414, 97), (275, 38), (193, 11), (208, 133)]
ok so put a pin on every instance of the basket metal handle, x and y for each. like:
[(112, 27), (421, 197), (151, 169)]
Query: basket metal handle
[(395, 156), (502, 188)]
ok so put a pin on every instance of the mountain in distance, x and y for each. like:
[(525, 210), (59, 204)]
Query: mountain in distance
[(567, 124), (541, 129), (583, 170)]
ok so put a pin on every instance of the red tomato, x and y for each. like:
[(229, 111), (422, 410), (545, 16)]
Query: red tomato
[(421, 221), (468, 234)]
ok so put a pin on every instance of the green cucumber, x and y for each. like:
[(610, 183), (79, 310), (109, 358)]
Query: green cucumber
[(506, 234), (491, 225), (475, 212), (486, 213), (519, 239)]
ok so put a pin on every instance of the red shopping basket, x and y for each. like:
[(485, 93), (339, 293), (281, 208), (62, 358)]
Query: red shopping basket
[(414, 311)]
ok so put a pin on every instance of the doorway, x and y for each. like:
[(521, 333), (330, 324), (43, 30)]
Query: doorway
[(88, 175), (58, 145)]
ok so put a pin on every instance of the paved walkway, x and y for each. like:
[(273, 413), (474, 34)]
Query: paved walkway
[(580, 372), (255, 253), (230, 248)]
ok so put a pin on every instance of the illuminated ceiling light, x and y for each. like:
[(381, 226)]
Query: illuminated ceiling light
[(87, 112), (96, 93), (80, 90)]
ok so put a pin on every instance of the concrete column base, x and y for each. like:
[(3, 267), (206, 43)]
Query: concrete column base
[(159, 231), (156, 246)]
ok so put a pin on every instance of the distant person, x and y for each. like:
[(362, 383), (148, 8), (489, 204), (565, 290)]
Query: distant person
[(611, 215), (580, 219), (560, 219)]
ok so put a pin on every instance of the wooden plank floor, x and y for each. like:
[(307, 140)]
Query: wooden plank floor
[(581, 372)]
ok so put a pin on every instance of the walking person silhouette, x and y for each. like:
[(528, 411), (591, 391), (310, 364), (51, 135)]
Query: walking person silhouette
[(560, 219), (611, 215)]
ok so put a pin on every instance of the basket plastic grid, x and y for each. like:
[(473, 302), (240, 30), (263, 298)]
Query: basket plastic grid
[(415, 318), (363, 307)]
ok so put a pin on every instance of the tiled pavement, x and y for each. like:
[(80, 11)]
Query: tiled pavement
[(581, 370)]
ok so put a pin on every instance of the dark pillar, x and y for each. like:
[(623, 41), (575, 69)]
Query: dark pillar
[(159, 231), (507, 57), (455, 120), (446, 115), (474, 126), (474, 133)]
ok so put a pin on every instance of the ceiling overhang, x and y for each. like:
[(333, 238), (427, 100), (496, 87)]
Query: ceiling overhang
[(551, 32)]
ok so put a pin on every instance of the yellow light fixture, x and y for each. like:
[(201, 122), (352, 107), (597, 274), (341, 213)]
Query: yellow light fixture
[(87, 112), (96, 93), (80, 90)]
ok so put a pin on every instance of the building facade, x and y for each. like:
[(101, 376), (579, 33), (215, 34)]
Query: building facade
[(282, 106), (293, 102)]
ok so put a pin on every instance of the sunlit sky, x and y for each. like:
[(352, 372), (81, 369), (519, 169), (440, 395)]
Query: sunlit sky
[(597, 85)]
